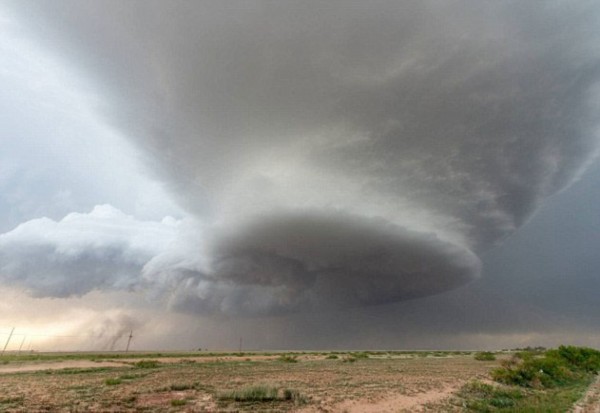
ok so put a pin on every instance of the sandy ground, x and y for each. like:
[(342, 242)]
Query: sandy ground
[(57, 365), (396, 402)]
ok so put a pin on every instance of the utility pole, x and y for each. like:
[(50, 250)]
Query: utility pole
[(129, 341), (8, 341), (22, 342)]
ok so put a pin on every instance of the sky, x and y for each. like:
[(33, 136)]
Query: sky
[(301, 175)]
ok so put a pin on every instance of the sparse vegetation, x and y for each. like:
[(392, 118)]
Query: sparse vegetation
[(349, 359), (288, 358), (560, 367), (181, 386), (262, 393), (485, 356), (178, 402), (11, 400), (533, 381), (251, 394), (147, 364), (360, 355), (229, 382)]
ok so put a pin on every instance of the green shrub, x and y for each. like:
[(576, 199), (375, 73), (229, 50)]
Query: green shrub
[(360, 355), (112, 382), (485, 356), (582, 358), (332, 357), (485, 398), (559, 367), (178, 402), (288, 358)]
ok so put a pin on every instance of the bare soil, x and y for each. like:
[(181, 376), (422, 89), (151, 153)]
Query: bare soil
[(194, 384)]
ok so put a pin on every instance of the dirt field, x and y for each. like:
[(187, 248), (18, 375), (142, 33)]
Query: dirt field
[(305, 383), (380, 383)]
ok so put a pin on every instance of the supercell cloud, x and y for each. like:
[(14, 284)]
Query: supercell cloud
[(337, 153)]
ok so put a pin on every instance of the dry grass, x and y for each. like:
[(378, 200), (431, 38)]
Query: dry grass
[(404, 381)]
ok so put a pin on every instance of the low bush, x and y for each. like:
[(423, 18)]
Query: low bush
[(485, 356), (288, 358), (534, 382), (582, 358), (262, 393), (559, 367)]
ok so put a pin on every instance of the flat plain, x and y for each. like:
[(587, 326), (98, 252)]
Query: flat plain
[(240, 382)]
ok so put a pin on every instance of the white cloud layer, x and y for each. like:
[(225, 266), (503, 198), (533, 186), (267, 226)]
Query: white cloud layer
[(104, 249)]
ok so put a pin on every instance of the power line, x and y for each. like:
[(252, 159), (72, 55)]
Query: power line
[(8, 340)]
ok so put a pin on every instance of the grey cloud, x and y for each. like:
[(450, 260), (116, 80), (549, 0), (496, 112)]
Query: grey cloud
[(312, 261), (421, 133)]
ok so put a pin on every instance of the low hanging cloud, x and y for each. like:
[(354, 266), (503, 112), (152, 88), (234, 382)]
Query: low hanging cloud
[(338, 153), (103, 249)]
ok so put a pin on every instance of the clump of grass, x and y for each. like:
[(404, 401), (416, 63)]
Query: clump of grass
[(288, 358), (112, 382), (181, 386), (349, 359), (360, 355), (262, 393), (485, 356), (332, 357), (146, 364), (293, 395), (259, 393), (178, 402)]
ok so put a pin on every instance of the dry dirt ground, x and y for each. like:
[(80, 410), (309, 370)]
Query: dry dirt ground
[(381, 383)]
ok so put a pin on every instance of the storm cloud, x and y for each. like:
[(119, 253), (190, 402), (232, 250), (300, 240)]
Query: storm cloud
[(338, 153)]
